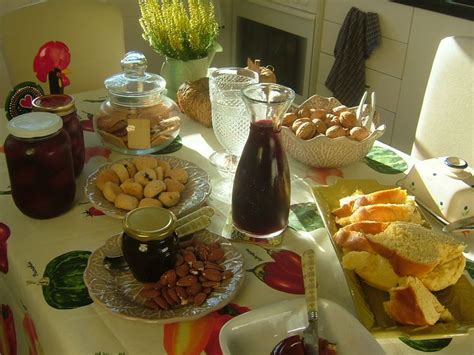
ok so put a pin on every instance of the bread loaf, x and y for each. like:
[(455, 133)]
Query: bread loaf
[(193, 99), (414, 250), (411, 303)]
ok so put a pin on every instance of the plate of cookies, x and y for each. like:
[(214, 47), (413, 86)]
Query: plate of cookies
[(186, 292), (123, 185)]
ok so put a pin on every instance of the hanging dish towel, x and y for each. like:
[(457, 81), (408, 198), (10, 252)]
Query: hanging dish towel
[(358, 37)]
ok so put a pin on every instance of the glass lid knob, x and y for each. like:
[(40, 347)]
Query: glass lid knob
[(134, 64)]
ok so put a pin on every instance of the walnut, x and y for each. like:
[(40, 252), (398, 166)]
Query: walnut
[(318, 113), (359, 133), (320, 125), (304, 112), (335, 131), (348, 119), (306, 130), (289, 118), (299, 122), (338, 109)]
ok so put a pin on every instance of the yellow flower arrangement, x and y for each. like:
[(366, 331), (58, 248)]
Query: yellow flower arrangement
[(177, 32)]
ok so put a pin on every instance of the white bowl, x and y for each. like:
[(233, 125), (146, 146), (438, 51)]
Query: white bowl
[(260, 330), (322, 151)]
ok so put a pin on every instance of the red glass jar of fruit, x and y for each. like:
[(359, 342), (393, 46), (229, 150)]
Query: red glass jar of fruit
[(63, 105), (40, 165)]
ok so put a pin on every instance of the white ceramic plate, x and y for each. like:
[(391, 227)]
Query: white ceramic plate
[(118, 291), (194, 194), (259, 331)]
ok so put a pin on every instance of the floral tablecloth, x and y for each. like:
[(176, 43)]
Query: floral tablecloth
[(33, 322)]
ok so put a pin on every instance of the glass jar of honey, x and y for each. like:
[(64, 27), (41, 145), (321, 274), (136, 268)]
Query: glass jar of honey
[(63, 106), (149, 243), (40, 165)]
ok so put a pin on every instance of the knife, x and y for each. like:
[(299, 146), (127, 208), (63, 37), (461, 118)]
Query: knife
[(310, 333)]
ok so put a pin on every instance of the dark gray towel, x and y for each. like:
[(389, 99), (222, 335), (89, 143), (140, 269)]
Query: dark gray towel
[(358, 37)]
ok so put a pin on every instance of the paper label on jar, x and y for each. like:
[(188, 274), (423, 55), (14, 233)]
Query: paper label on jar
[(138, 133)]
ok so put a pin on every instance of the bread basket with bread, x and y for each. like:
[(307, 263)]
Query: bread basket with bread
[(406, 279), (322, 132)]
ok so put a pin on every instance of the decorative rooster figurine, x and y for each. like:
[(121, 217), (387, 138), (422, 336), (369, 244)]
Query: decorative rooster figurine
[(51, 63)]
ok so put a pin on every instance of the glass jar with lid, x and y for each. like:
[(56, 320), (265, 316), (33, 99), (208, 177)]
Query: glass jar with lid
[(64, 106), (137, 118), (149, 243), (40, 165)]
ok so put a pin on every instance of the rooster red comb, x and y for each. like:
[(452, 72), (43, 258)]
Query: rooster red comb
[(52, 55)]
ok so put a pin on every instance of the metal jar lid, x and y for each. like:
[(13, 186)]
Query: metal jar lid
[(60, 104), (149, 223), (34, 125)]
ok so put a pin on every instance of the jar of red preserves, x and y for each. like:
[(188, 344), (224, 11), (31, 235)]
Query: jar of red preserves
[(149, 243), (40, 165), (63, 105)]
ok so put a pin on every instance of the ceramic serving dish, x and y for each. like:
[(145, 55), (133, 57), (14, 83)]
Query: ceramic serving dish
[(117, 290), (368, 301), (196, 190), (260, 330), (322, 151)]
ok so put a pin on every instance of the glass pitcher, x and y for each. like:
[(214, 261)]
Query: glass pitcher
[(261, 192)]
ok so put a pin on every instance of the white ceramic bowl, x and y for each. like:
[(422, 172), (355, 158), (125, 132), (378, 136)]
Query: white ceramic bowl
[(322, 151), (260, 330)]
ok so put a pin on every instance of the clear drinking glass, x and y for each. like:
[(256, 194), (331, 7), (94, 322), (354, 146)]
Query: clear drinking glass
[(230, 121)]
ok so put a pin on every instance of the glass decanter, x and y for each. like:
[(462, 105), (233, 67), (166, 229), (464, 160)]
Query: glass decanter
[(261, 191)]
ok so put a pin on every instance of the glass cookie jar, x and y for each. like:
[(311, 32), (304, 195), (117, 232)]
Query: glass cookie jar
[(137, 118), (40, 165), (149, 243)]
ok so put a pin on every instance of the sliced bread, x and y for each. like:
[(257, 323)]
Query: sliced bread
[(445, 274), (414, 250), (411, 303), (374, 269), (391, 196), (382, 213), (352, 237)]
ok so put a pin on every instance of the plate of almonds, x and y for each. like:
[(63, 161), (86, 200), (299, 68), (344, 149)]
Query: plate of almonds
[(322, 132), (207, 275)]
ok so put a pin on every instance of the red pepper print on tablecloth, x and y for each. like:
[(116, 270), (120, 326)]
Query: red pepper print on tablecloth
[(7, 331), (87, 124), (284, 274), (93, 212), (321, 175), (201, 335), (29, 328), (4, 235), (50, 63)]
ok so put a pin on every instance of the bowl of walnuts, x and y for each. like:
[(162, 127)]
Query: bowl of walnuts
[(322, 132)]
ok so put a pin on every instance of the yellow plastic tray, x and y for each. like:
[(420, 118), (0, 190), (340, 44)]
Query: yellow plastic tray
[(459, 298)]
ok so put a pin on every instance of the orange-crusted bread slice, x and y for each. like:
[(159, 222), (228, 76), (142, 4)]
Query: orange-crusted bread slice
[(411, 303), (414, 250), (352, 237), (390, 196), (382, 213), (374, 269)]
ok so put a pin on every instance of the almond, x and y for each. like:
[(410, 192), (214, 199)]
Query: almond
[(149, 293), (182, 270), (160, 301), (200, 298), (212, 275), (194, 289), (216, 254), (186, 281), (168, 278), (227, 275), (212, 284), (189, 257), (181, 292), (172, 293)]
